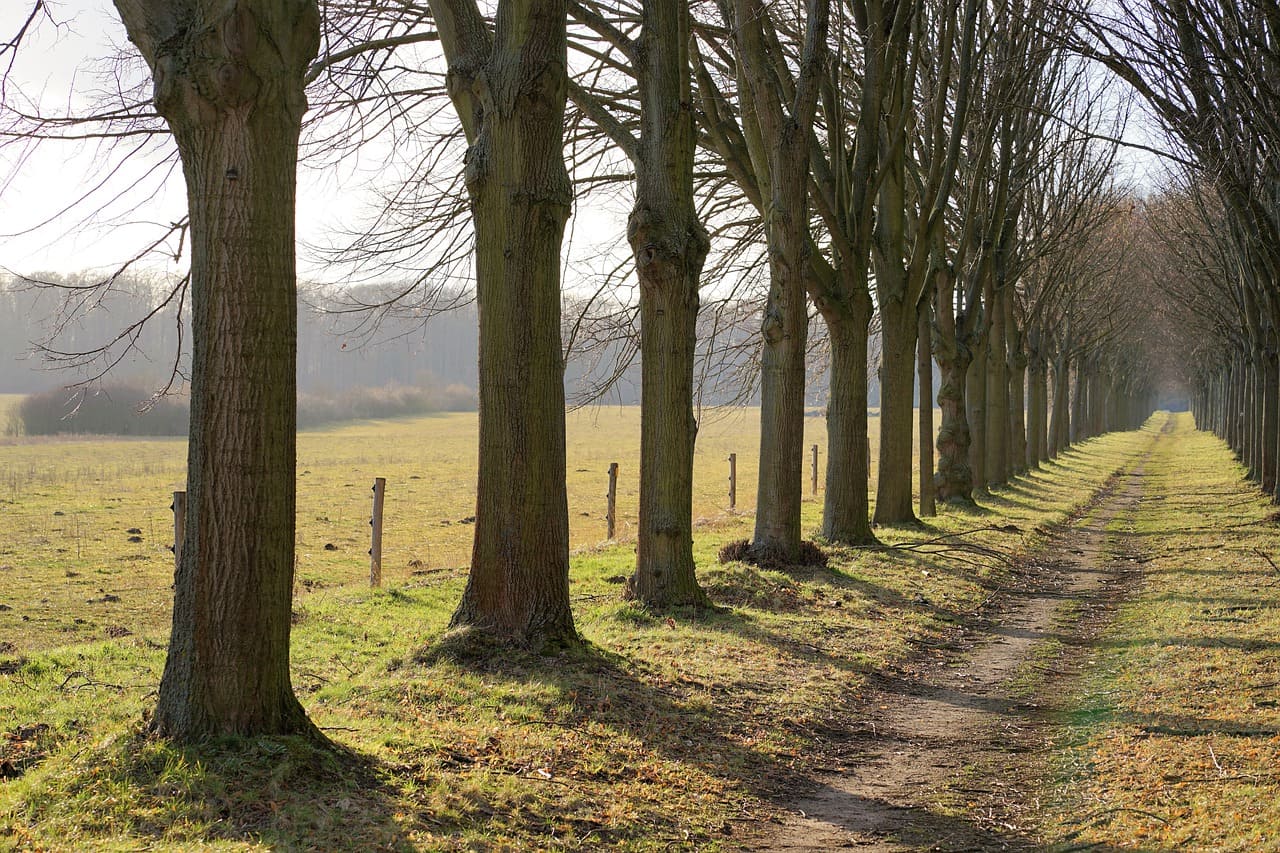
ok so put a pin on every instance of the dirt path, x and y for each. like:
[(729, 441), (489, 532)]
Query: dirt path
[(929, 728)]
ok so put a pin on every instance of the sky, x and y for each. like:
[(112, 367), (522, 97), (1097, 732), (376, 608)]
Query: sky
[(149, 194)]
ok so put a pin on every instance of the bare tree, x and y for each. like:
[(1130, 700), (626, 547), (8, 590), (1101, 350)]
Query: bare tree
[(229, 83), (509, 87)]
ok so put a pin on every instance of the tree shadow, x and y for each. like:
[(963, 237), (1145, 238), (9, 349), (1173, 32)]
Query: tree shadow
[(632, 698), (878, 823), (288, 792), (1240, 643)]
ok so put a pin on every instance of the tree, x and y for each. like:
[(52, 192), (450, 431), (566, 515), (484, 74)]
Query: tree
[(229, 83), (768, 154), (939, 46), (670, 246), (509, 87)]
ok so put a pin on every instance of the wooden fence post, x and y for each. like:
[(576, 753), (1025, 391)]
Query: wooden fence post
[(815, 469), (733, 480), (611, 515), (179, 525), (375, 548)]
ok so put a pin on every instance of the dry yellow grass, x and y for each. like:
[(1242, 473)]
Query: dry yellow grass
[(67, 506)]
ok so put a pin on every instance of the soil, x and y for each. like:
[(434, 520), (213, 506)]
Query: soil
[(951, 748)]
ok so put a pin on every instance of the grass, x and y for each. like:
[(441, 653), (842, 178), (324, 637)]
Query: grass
[(670, 731), (1175, 735), (69, 506)]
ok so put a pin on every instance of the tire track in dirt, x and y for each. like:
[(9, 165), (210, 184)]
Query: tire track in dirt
[(925, 730)]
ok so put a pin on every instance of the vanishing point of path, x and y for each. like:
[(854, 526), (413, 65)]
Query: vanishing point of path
[(930, 727)]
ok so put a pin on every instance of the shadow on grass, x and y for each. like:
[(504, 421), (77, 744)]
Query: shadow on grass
[(283, 792), (672, 718), (1240, 643), (915, 828)]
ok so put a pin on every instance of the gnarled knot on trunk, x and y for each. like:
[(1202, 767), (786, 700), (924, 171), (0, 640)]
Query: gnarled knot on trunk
[(773, 326), (219, 61)]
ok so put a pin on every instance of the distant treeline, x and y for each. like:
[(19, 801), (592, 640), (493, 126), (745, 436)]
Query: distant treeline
[(347, 344), (118, 409), (337, 352)]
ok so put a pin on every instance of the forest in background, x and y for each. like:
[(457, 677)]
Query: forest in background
[(357, 357)]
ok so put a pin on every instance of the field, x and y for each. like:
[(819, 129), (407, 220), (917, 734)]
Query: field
[(68, 507), (682, 730)]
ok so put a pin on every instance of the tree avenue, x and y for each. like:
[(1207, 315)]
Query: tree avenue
[(933, 180)]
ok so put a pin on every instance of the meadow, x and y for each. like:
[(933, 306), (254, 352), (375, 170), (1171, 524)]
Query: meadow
[(664, 731), (86, 530)]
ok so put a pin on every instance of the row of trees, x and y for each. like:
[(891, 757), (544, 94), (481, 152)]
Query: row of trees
[(935, 164), (1210, 71)]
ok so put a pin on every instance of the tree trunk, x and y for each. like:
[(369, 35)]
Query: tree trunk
[(1038, 414), (229, 82), (954, 480), (845, 513), (897, 382), (782, 365), (510, 95), (779, 147), (1018, 461), (1060, 427), (1270, 423), (976, 398), (670, 246), (1080, 403), (924, 371), (997, 444), (1016, 367)]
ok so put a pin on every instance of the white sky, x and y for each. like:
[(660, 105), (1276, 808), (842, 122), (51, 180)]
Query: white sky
[(54, 64)]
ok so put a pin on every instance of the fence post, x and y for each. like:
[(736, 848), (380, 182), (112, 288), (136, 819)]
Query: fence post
[(179, 525), (815, 469), (375, 547), (733, 480), (611, 515)]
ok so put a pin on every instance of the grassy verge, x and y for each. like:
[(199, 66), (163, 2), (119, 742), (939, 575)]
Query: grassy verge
[(1175, 738), (666, 731)]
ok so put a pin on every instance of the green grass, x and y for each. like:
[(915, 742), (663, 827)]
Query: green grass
[(1176, 733), (670, 731), (68, 506)]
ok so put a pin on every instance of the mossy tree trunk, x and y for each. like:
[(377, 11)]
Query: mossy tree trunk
[(229, 80), (778, 139), (509, 88), (669, 245), (924, 381)]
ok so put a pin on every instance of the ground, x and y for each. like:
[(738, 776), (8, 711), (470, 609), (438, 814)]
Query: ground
[(1092, 669)]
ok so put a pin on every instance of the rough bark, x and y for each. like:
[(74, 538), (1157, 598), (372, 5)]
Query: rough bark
[(670, 246), (976, 401), (509, 90), (997, 435), (229, 83), (924, 372), (845, 515), (954, 478), (779, 143)]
